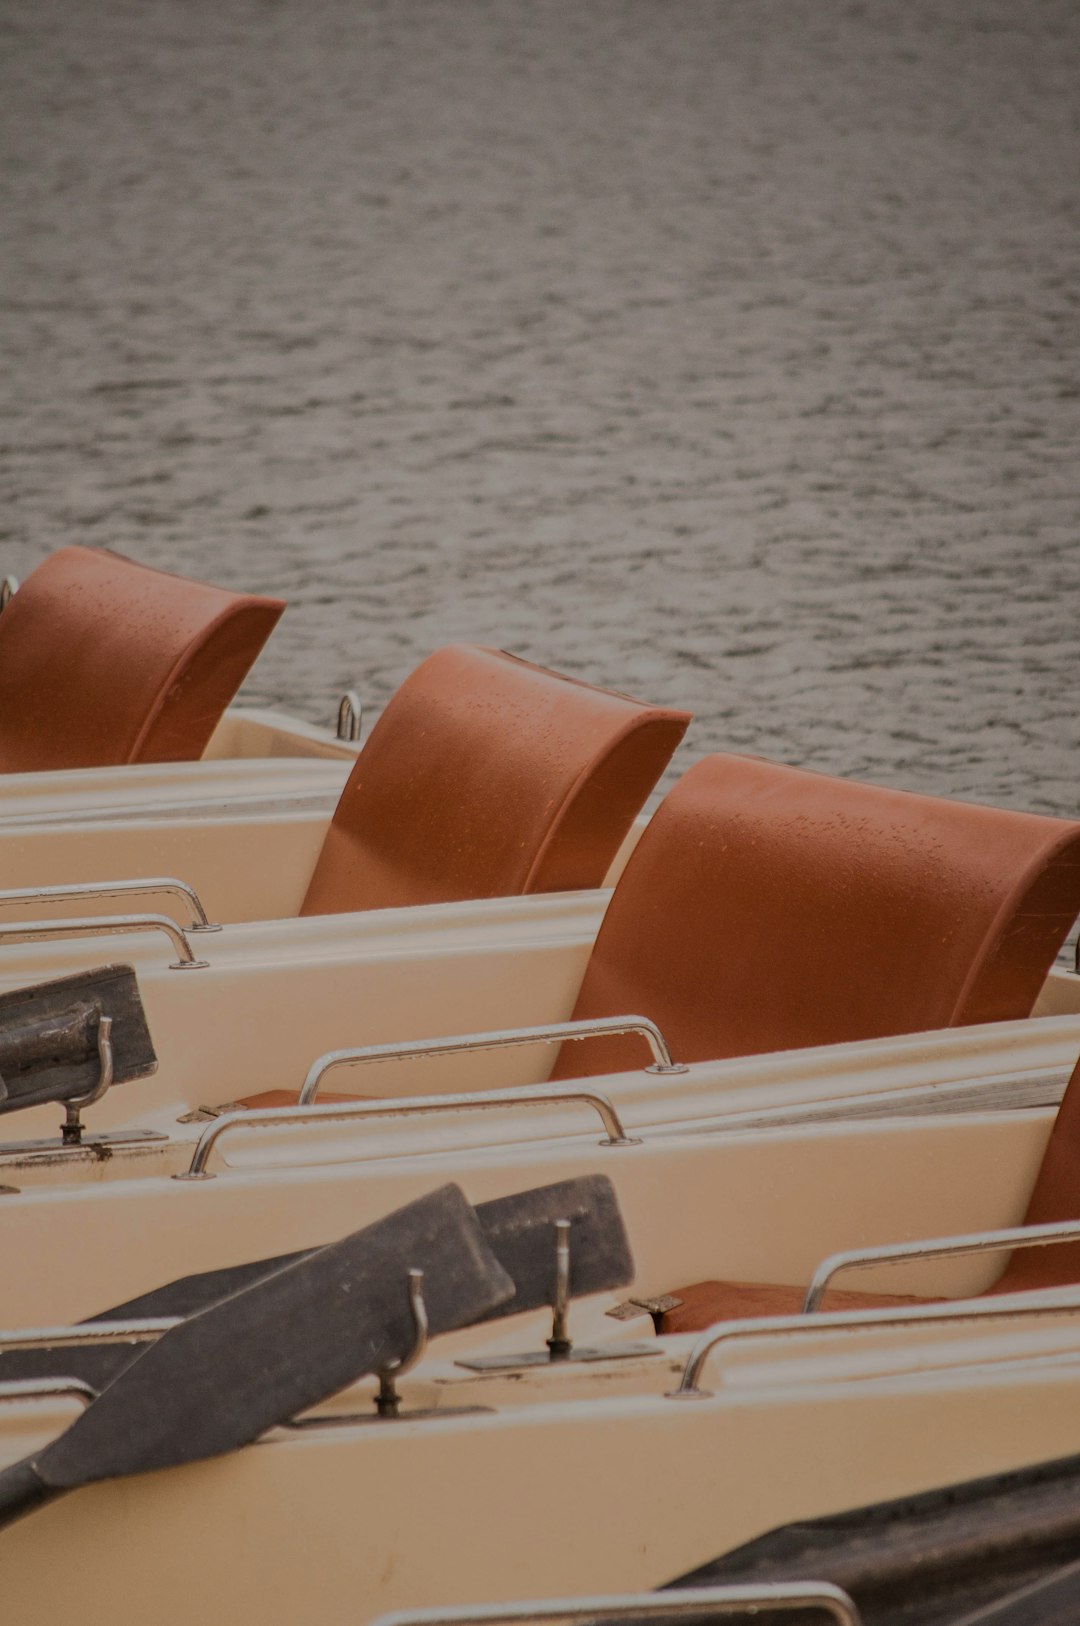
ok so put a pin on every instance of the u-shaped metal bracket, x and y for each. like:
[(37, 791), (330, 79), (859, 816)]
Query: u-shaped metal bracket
[(388, 1401), (349, 716), (71, 1130)]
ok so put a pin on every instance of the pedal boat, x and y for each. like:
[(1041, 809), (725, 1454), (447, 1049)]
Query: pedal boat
[(930, 969), (487, 1483), (708, 1206)]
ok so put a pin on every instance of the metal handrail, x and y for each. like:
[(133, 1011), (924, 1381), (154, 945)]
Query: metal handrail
[(135, 1331), (107, 926), (527, 1095), (349, 717), (114, 889), (1016, 1236), (46, 1388), (1002, 1308), (676, 1604), (497, 1039)]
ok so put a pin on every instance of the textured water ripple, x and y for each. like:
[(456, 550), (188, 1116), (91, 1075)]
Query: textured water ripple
[(724, 353)]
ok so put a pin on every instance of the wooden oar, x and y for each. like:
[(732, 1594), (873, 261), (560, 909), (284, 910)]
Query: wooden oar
[(1053, 1600), (49, 1037), (258, 1357), (936, 1558), (518, 1229)]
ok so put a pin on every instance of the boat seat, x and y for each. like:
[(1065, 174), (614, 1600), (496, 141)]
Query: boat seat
[(291, 1098), (489, 777), (770, 908), (104, 661), (706, 1302), (1055, 1199)]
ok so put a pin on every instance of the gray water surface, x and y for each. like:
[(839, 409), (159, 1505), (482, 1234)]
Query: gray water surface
[(723, 351)]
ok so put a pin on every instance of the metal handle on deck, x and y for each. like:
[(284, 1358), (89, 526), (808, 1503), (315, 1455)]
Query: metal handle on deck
[(114, 889), (46, 1388), (107, 926), (527, 1095), (349, 714), (1003, 1308), (1018, 1236), (498, 1039), (678, 1604)]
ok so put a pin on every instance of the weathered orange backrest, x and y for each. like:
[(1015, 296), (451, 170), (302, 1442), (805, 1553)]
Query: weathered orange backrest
[(105, 661), (767, 908), (1056, 1197), (488, 777)]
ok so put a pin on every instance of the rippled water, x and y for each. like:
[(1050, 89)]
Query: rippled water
[(725, 351)]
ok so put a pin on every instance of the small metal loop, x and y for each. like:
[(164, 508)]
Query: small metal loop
[(945, 1247), (8, 588), (47, 1388), (349, 717), (498, 1039), (1003, 1307), (560, 1343), (388, 1401), (89, 890), (71, 1130), (527, 1095), (35, 931), (669, 1607)]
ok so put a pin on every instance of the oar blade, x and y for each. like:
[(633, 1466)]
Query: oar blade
[(931, 1558), (221, 1378), (519, 1229), (48, 1037)]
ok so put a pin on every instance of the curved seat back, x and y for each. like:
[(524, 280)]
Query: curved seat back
[(1055, 1198), (489, 777), (768, 908), (104, 661)]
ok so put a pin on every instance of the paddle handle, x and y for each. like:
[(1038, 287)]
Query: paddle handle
[(21, 1490)]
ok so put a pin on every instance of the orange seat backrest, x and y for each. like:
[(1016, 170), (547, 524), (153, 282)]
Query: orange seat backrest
[(104, 661), (1056, 1197), (768, 908), (488, 777)]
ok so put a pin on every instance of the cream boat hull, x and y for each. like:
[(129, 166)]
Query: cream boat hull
[(247, 853), (269, 1003), (578, 1480), (252, 753), (747, 1205)]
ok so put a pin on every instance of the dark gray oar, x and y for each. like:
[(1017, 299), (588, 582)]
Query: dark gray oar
[(933, 1559), (49, 1037), (1053, 1600), (518, 1229), (224, 1376)]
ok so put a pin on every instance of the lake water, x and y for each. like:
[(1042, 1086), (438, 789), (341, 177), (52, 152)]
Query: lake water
[(723, 351)]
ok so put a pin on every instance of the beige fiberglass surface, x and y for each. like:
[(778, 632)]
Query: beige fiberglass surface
[(264, 1009), (747, 1205), (247, 853), (596, 1480), (251, 753)]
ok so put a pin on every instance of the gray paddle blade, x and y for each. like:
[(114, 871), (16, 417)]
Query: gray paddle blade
[(933, 1559), (1052, 1600), (519, 1229), (49, 1037), (256, 1358)]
